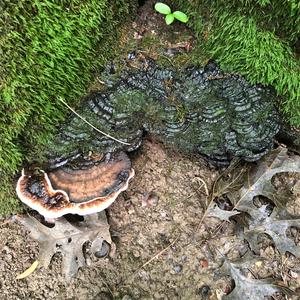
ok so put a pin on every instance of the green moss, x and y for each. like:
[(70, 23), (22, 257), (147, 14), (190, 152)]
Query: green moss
[(48, 49), (256, 38)]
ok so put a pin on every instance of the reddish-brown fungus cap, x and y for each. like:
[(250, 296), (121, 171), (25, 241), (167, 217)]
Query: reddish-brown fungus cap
[(82, 187)]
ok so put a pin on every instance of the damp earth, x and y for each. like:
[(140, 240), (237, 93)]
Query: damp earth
[(162, 252)]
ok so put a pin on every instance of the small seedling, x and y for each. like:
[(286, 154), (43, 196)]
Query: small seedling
[(170, 17)]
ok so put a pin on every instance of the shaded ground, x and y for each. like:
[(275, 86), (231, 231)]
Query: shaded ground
[(140, 233), (163, 249), (161, 253)]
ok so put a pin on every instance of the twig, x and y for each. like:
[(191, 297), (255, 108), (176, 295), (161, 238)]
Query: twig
[(252, 273), (189, 196), (148, 262), (8, 220), (107, 286), (87, 122), (100, 81), (157, 255), (203, 184), (154, 257)]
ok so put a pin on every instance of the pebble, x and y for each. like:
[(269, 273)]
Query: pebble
[(178, 268), (136, 253), (131, 55), (183, 258), (150, 199), (204, 290), (203, 263), (103, 296), (103, 251)]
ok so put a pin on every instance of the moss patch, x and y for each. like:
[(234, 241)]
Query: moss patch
[(49, 49), (256, 38)]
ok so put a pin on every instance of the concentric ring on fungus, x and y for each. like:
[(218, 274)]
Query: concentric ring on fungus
[(82, 187)]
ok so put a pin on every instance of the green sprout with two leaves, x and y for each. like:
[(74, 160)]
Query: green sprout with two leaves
[(170, 17)]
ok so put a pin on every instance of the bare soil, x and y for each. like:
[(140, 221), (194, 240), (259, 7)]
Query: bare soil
[(162, 251)]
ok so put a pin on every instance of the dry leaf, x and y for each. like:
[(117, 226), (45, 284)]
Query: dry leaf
[(247, 288), (276, 226), (215, 211), (257, 184), (28, 271), (67, 239), (259, 181)]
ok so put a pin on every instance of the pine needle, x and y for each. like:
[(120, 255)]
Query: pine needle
[(87, 122)]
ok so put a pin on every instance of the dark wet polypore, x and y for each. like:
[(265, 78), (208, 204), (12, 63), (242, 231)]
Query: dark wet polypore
[(202, 110)]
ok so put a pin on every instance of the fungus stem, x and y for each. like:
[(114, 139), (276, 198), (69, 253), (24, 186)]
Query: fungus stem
[(87, 122)]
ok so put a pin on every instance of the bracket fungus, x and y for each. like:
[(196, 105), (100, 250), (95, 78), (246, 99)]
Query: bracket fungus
[(83, 187), (199, 109)]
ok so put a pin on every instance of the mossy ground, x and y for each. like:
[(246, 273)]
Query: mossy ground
[(256, 38), (49, 51)]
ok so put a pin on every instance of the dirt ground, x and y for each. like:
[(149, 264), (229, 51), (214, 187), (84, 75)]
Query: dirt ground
[(164, 250), (161, 251)]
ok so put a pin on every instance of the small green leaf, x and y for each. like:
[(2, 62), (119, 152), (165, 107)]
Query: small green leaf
[(169, 19), (180, 16), (162, 8)]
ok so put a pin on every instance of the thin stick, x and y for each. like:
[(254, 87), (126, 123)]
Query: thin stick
[(158, 254), (148, 262), (203, 184), (87, 122), (153, 258), (107, 286)]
